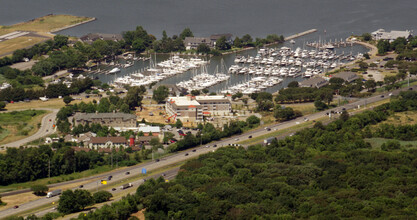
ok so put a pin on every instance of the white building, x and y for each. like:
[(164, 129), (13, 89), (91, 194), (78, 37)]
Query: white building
[(381, 34), (192, 108)]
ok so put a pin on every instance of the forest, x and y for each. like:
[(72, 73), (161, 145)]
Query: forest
[(323, 172)]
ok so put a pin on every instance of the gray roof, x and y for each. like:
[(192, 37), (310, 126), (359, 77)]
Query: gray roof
[(89, 116), (347, 76), (196, 40), (314, 82)]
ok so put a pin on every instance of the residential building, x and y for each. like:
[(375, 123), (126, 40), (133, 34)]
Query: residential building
[(317, 82), (191, 109), (106, 119), (193, 42), (107, 142), (347, 76), (381, 34), (215, 37), (91, 37)]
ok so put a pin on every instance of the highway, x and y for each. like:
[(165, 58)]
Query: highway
[(195, 152)]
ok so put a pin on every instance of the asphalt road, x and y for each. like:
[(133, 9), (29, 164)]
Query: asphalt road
[(45, 129), (195, 152)]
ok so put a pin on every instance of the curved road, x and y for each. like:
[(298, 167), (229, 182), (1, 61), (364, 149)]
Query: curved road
[(45, 129), (195, 152)]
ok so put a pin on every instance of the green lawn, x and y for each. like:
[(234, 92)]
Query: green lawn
[(377, 142)]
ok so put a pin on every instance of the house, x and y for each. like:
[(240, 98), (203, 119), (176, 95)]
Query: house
[(215, 37), (347, 76), (193, 108), (91, 37), (146, 130), (193, 42), (107, 142), (381, 34), (317, 82), (106, 119), (144, 140)]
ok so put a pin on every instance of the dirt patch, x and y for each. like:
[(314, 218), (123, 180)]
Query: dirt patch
[(140, 215), (152, 114)]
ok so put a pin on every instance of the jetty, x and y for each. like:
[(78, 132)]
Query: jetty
[(300, 34)]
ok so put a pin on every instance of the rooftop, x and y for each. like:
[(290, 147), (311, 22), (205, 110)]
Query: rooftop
[(183, 101), (89, 116), (314, 82), (347, 76), (103, 140), (147, 129)]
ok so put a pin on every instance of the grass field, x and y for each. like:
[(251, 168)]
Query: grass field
[(377, 142), (11, 45), (19, 124), (44, 24), (51, 103), (402, 118)]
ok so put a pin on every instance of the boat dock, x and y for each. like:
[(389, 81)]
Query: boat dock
[(300, 34)]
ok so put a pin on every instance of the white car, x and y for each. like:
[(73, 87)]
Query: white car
[(236, 139)]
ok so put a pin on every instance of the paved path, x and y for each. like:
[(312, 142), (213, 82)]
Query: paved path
[(45, 129)]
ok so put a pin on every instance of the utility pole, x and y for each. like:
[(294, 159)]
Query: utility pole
[(49, 167)]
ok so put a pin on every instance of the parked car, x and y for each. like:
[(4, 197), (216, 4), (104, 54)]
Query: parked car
[(194, 150), (250, 136), (127, 173), (186, 154), (113, 189), (81, 186)]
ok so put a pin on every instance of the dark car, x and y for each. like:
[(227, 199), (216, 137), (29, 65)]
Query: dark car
[(194, 150), (109, 178), (382, 96), (410, 88), (268, 129), (127, 173), (114, 189), (343, 109), (163, 174), (186, 154), (81, 186), (250, 136), (215, 145), (157, 160), (16, 206)]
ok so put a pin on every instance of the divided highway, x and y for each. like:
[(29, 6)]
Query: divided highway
[(195, 152)]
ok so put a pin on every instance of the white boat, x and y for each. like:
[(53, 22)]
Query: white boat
[(114, 70)]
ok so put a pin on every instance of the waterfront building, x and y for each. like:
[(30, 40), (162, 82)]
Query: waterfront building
[(193, 108), (215, 37), (193, 42), (317, 82), (347, 76), (381, 34), (91, 37)]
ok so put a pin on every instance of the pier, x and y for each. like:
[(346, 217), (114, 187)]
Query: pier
[(300, 34)]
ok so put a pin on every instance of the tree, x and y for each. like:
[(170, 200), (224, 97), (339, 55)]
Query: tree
[(221, 44), (383, 46), (320, 105), (195, 92), (102, 196), (284, 114), (139, 46), (178, 124), (237, 42), (293, 84), (2, 105), (367, 36), (67, 99), (205, 91), (134, 97), (344, 116), (60, 41), (203, 48), (74, 201), (154, 142), (370, 84), (160, 94), (363, 65), (253, 121), (186, 33), (39, 190)]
